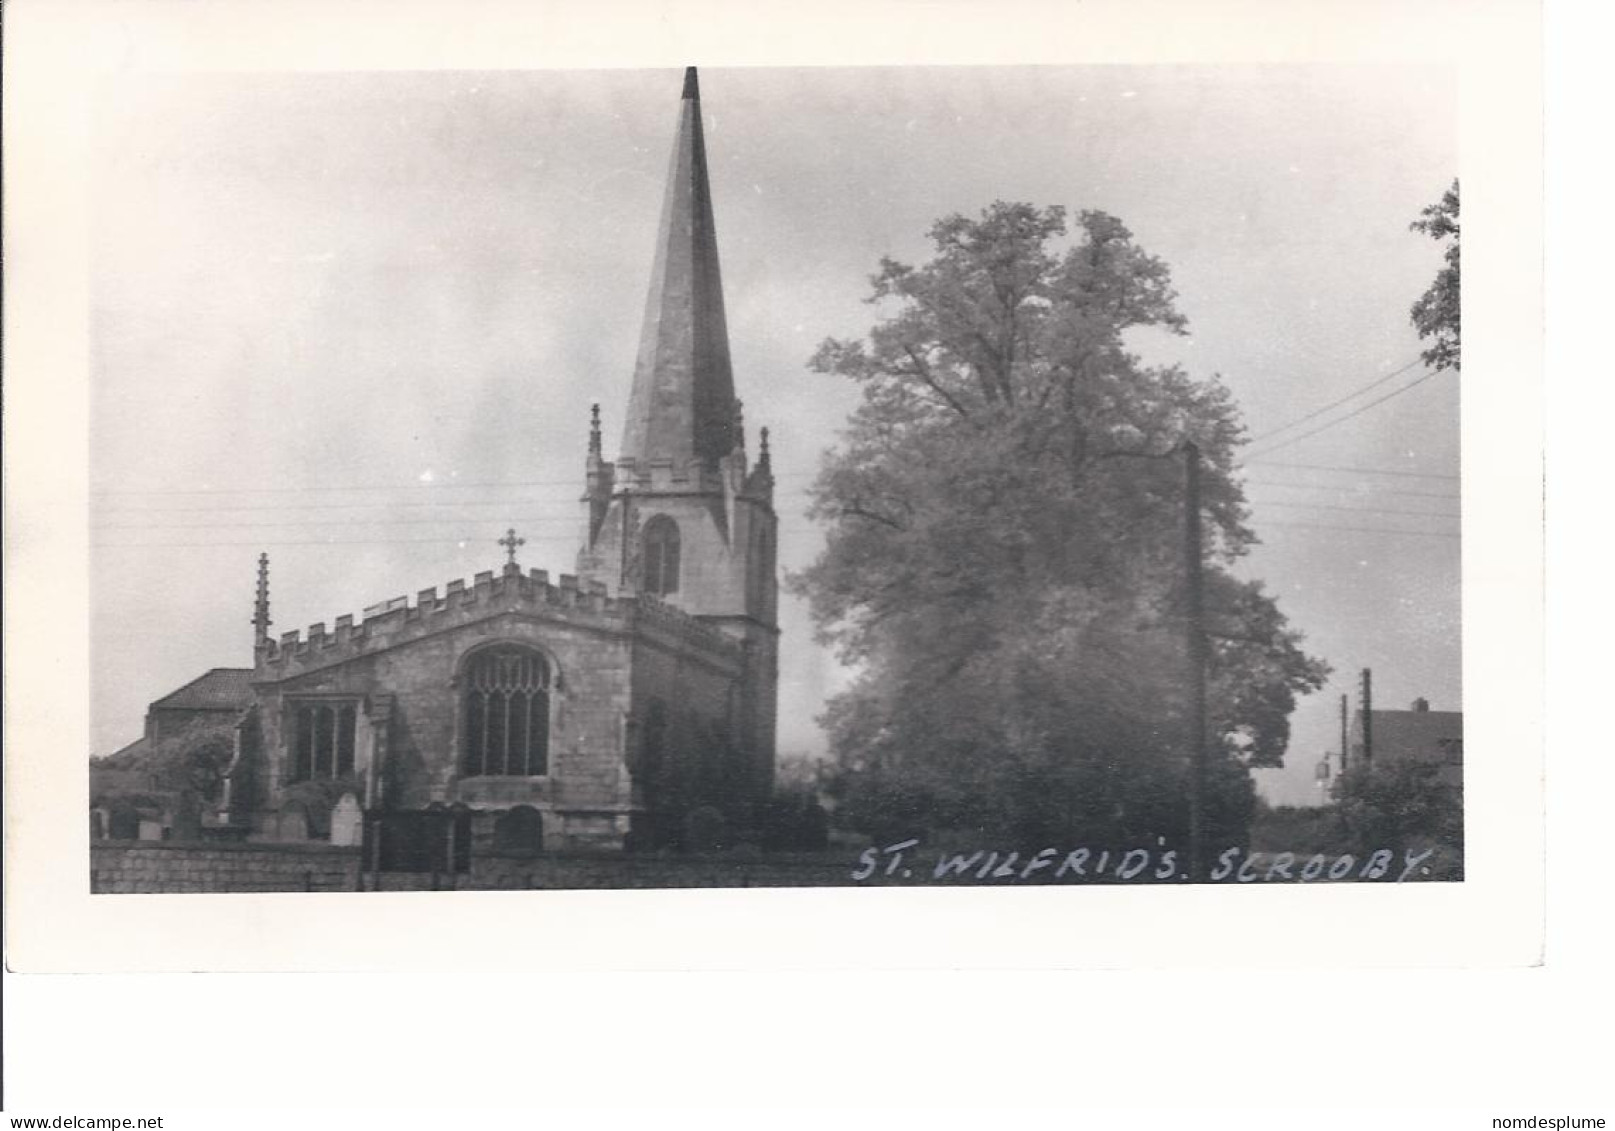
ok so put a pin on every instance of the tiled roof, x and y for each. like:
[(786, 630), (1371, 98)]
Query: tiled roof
[(1411, 734), (131, 753), (222, 689)]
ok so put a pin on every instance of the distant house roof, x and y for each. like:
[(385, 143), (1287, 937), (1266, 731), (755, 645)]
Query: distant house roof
[(130, 754), (1414, 734), (222, 689)]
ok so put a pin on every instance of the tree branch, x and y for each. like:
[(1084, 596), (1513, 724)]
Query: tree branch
[(923, 372), (856, 510)]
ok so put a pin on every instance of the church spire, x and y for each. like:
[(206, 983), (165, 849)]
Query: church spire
[(682, 404)]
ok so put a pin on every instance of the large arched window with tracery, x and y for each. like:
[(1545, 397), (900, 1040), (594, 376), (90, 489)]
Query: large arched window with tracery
[(661, 556), (505, 713)]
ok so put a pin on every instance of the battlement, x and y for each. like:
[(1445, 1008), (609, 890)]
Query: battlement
[(675, 621), (397, 620)]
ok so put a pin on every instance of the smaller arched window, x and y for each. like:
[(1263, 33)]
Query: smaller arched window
[(661, 557), (322, 740)]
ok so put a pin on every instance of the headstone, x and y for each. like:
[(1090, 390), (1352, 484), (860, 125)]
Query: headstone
[(124, 822), (188, 818), (347, 822), (519, 832), (293, 822)]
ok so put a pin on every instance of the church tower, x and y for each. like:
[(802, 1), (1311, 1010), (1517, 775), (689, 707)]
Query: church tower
[(684, 516)]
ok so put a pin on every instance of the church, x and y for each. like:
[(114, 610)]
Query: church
[(628, 704)]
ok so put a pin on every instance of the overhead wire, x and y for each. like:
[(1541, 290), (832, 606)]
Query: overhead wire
[(107, 492), (1317, 412), (1417, 381), (1350, 470)]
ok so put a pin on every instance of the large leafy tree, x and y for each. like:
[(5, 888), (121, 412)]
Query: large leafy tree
[(1438, 313), (1004, 564)]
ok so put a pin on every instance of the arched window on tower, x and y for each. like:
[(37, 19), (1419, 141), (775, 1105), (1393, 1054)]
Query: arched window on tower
[(505, 713), (661, 556)]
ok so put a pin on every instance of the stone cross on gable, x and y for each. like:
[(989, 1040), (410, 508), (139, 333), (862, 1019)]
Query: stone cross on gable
[(510, 542)]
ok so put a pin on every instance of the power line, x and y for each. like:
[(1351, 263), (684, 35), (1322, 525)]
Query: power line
[(573, 482), (119, 510), (1366, 529), (1356, 510), (554, 522), (348, 522), (462, 543), (1350, 470), (1317, 412), (527, 510), (551, 521), (466, 541), (230, 508), (1341, 489), (1417, 381)]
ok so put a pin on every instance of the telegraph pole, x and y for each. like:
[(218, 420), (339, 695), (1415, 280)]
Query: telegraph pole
[(1194, 583), (1345, 732), (1367, 699)]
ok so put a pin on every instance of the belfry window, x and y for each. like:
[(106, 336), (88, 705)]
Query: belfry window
[(505, 713), (661, 556), (322, 740)]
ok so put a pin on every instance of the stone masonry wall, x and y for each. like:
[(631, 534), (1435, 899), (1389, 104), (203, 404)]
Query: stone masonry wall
[(180, 868), (166, 867)]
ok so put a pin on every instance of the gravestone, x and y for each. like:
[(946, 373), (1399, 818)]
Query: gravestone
[(347, 822), (519, 832), (188, 818), (293, 822), (124, 823)]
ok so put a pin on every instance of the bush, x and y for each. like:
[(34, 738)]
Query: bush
[(795, 821), (1400, 803), (706, 829), (1117, 800)]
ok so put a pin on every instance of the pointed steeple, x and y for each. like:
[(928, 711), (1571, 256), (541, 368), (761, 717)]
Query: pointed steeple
[(682, 404)]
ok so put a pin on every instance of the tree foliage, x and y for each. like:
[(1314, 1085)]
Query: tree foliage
[(1398, 803), (194, 767), (1004, 563), (1437, 315)]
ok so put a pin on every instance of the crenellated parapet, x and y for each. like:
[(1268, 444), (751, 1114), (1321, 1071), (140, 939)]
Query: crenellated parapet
[(656, 614), (400, 620)]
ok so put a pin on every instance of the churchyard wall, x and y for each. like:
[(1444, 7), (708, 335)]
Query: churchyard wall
[(181, 868)]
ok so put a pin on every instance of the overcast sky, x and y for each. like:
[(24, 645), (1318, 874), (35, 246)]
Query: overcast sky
[(357, 320)]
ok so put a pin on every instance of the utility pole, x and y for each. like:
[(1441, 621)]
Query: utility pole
[(1345, 731), (1194, 584), (1367, 699)]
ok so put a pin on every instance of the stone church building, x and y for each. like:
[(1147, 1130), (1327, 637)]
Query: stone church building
[(630, 703)]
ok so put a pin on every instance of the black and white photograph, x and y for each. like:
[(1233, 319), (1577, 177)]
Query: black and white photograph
[(707, 477), (703, 559)]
